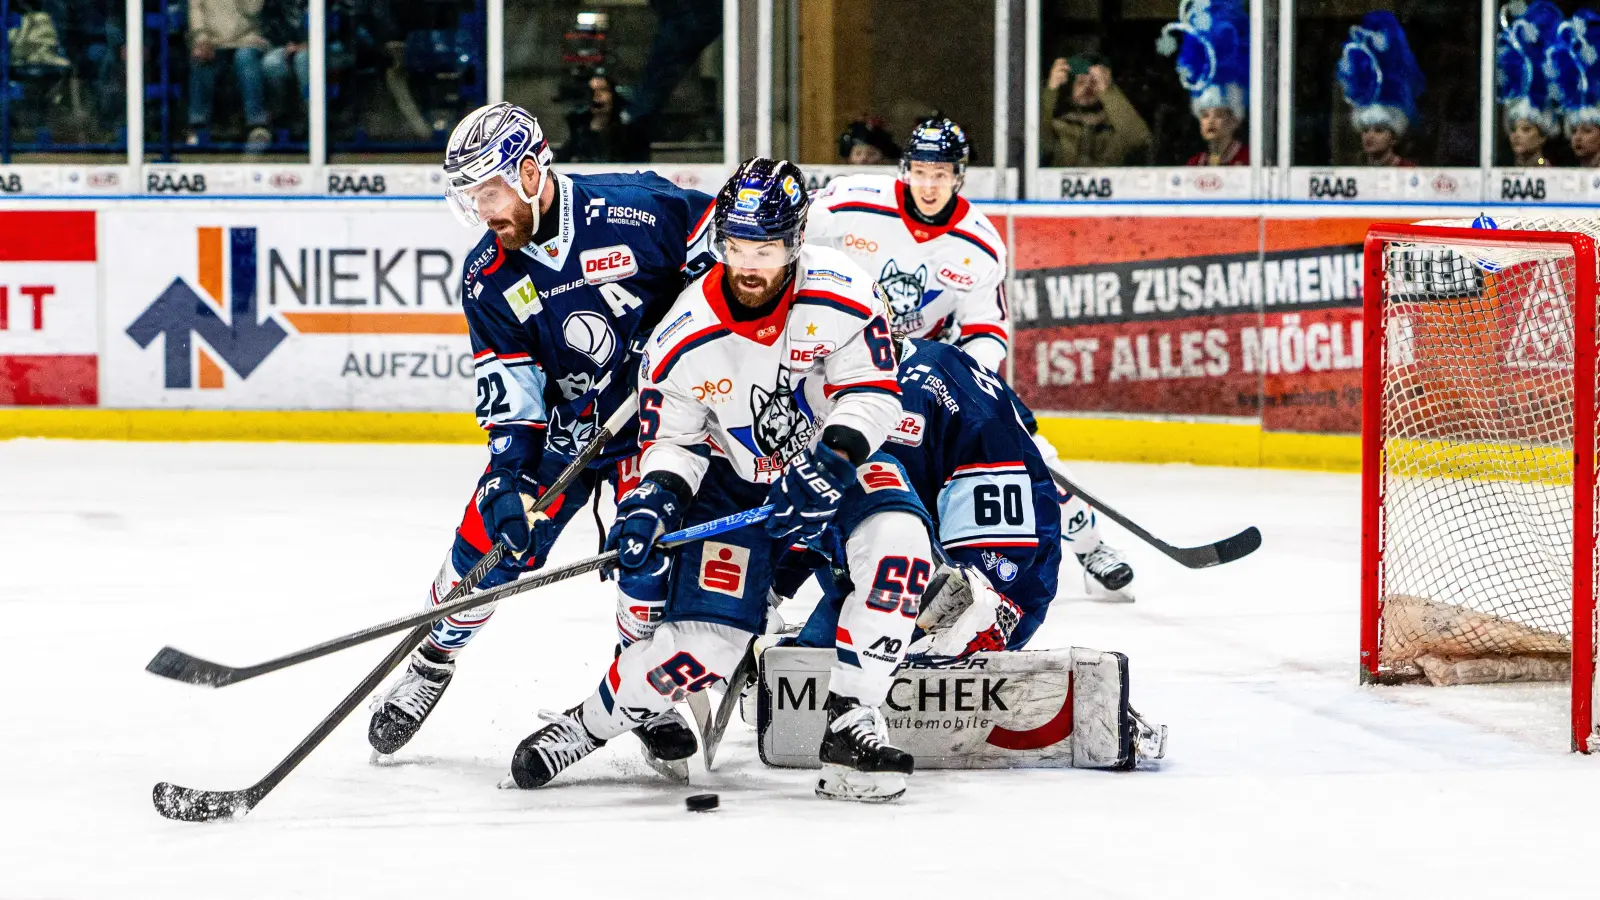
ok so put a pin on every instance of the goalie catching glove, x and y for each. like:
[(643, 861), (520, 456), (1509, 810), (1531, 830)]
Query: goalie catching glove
[(961, 615)]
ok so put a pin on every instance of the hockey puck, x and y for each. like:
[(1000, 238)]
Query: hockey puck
[(702, 802)]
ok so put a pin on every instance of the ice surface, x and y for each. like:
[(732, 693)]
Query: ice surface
[(1284, 779)]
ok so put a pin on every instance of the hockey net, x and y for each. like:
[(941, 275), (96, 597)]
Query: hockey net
[(1478, 547)]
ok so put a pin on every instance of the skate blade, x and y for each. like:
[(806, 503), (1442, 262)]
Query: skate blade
[(508, 783), (671, 769), (1102, 594), (380, 759), (844, 783)]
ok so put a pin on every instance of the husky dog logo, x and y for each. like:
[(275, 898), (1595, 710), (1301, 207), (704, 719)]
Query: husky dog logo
[(907, 292), (569, 431), (780, 430)]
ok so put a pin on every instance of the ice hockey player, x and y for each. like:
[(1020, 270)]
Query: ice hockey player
[(969, 457), (559, 295), (942, 265), (725, 427)]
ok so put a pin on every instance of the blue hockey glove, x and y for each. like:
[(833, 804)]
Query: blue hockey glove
[(650, 510), (500, 503), (808, 494)]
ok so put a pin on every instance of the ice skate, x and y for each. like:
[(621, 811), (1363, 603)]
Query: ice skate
[(857, 762), (549, 751), (667, 742), (399, 713), (1106, 573)]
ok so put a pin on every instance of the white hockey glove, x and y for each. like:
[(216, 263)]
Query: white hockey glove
[(963, 616)]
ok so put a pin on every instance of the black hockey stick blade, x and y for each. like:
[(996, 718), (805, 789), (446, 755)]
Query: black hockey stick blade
[(183, 804), (1226, 550), (170, 662)]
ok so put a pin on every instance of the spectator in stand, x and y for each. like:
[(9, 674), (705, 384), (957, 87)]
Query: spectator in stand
[(1573, 66), (287, 66), (227, 30), (1381, 81), (1089, 120), (1214, 67), (92, 36), (684, 29), (867, 143), (1524, 88), (605, 130)]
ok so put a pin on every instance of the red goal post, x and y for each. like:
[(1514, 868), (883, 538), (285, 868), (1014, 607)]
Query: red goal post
[(1478, 455)]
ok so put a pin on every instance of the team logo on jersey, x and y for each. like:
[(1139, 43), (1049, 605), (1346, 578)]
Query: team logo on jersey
[(907, 293), (781, 427), (881, 477), (612, 263), (589, 333), (723, 568), (523, 298), (1003, 568), (909, 429), (570, 432)]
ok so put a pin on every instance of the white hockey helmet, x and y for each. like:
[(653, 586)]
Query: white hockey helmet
[(483, 162)]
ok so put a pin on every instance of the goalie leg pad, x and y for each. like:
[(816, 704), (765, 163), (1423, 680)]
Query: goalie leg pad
[(1106, 732)]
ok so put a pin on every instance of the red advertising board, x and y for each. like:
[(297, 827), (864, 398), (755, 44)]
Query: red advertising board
[(48, 309), (1191, 316)]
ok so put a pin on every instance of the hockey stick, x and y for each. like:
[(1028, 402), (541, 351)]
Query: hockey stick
[(711, 737), (170, 662), (1204, 557), (191, 805)]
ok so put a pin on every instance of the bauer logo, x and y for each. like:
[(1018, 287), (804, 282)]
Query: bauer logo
[(241, 341), (723, 568), (608, 264)]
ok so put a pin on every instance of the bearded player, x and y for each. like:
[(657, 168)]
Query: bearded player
[(725, 427), (942, 266), (559, 294)]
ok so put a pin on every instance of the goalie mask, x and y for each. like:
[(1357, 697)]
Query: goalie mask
[(483, 163)]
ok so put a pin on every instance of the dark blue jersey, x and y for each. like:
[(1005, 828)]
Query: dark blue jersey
[(555, 325), (970, 458)]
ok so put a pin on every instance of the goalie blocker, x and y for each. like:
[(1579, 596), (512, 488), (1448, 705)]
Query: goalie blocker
[(1018, 709)]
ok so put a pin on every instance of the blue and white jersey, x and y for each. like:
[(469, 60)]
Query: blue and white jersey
[(557, 328), (969, 456)]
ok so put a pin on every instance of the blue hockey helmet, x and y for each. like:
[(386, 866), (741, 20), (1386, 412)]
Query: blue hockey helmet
[(937, 139), (765, 200), (483, 162)]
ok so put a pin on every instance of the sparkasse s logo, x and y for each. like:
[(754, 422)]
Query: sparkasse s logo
[(223, 313)]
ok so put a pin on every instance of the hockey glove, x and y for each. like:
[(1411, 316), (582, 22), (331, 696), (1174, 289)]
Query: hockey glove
[(807, 496), (963, 616), (503, 499), (650, 510)]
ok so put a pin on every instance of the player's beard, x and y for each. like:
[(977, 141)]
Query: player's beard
[(514, 228), (755, 287)]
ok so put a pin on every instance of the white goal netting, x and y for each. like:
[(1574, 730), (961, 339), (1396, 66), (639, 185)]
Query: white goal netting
[(1476, 428)]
